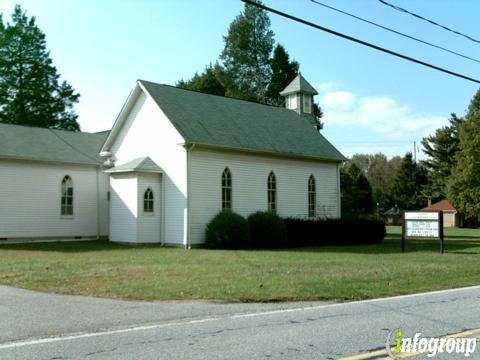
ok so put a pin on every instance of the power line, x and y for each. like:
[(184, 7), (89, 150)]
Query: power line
[(398, 8), (373, 46), (394, 31)]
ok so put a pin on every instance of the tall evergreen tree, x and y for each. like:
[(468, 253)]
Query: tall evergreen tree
[(284, 71), (408, 184), (246, 55), (30, 91), (356, 191), (441, 149), (318, 113), (463, 188)]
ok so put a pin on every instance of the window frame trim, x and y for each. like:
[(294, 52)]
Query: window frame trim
[(309, 193), (226, 189), (64, 186), (273, 190), (152, 200), (307, 99)]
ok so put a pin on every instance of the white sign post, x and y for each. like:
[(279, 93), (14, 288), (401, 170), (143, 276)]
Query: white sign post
[(424, 225)]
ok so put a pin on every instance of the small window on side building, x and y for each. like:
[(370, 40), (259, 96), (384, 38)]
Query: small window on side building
[(148, 201), (66, 202)]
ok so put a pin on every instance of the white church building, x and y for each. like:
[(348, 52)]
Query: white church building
[(173, 159)]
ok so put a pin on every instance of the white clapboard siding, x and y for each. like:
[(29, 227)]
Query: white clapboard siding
[(149, 224), (249, 182), (30, 194), (123, 207), (148, 132), (104, 203)]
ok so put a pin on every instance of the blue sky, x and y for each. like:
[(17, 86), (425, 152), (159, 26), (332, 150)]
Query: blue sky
[(372, 101)]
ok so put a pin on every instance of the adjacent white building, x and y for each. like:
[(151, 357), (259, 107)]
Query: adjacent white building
[(52, 184), (173, 159)]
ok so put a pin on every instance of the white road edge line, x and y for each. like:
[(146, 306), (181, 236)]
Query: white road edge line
[(210, 319)]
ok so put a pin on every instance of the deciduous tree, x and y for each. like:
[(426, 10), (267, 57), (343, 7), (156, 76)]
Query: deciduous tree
[(380, 173)]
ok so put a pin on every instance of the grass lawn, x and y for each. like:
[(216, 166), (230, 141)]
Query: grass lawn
[(354, 272)]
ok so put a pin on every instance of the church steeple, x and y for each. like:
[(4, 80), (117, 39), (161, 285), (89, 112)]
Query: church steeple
[(299, 96)]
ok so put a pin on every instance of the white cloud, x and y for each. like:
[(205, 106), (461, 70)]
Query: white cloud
[(381, 115), (339, 100), (322, 87)]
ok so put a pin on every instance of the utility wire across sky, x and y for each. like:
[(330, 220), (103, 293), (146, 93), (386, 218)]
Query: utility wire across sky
[(348, 37), (394, 31), (398, 8)]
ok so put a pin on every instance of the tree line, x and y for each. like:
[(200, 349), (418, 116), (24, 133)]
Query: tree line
[(251, 66), (372, 183)]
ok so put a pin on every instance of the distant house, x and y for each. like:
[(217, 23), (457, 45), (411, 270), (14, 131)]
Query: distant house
[(173, 159), (451, 218)]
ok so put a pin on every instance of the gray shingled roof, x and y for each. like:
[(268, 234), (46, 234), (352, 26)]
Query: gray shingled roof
[(142, 164), (299, 84), (39, 144), (224, 122)]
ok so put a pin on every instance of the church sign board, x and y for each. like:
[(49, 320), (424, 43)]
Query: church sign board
[(422, 225)]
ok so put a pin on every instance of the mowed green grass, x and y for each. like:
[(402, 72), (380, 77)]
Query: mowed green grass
[(162, 273)]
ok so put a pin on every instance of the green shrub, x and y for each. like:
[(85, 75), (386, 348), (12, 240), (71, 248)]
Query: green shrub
[(267, 230), (227, 230), (345, 231)]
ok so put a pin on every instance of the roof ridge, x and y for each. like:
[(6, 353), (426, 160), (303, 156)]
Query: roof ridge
[(238, 124), (219, 96), (51, 129)]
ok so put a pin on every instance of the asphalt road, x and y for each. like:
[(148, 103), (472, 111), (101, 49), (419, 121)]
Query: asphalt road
[(45, 326)]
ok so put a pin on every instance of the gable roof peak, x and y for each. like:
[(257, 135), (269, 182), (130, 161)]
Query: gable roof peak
[(141, 164), (146, 83)]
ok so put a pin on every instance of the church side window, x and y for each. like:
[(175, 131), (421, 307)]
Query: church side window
[(148, 201), (292, 101), (66, 203), (272, 192), (226, 189), (307, 104), (312, 197)]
